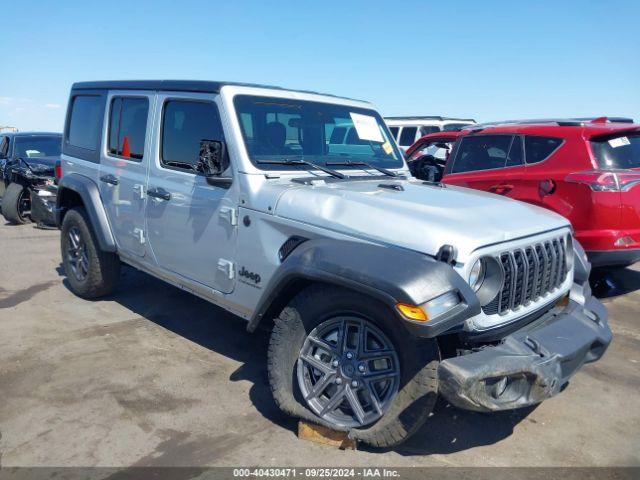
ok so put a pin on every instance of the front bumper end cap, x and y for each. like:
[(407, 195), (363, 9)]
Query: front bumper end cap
[(530, 365)]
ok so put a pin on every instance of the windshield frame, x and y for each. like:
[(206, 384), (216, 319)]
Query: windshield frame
[(398, 165)]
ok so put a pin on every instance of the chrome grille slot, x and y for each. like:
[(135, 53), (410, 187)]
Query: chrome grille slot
[(530, 273)]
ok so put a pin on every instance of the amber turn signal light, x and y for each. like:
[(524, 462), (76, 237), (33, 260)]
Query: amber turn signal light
[(412, 312)]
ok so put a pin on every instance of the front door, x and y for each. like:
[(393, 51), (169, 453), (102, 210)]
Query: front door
[(123, 167), (191, 224)]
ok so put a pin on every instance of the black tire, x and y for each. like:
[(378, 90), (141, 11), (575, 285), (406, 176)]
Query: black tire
[(418, 360), (13, 203), (102, 269)]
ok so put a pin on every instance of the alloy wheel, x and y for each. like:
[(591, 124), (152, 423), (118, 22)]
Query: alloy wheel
[(77, 254), (348, 371)]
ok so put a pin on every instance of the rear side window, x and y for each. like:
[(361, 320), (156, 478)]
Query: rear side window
[(538, 149), (184, 125), (408, 136), (481, 152), (617, 152), (85, 122), (394, 131), (428, 130), (128, 127)]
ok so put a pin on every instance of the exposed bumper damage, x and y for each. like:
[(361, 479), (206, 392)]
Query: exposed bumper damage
[(531, 364), (43, 203)]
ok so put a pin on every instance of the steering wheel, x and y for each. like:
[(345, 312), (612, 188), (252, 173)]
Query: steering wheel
[(427, 167)]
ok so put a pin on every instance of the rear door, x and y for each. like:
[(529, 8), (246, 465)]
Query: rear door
[(123, 167), (492, 162)]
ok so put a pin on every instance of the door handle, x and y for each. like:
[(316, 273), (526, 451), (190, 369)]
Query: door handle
[(160, 193), (501, 189), (110, 179)]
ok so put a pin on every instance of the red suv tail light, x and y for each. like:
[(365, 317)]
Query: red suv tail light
[(606, 180), (58, 171)]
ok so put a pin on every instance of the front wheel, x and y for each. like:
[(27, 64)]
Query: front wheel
[(16, 204), (335, 358)]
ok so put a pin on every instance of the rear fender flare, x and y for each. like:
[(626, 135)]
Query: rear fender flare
[(92, 203)]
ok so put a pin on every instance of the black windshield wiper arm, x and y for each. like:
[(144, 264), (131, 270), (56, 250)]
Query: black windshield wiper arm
[(286, 161), (389, 173)]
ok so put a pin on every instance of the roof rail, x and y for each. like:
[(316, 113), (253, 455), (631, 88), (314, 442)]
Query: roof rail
[(563, 122)]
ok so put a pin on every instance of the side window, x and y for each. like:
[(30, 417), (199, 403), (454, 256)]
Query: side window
[(515, 156), (426, 130), (128, 127), (4, 146), (394, 132), (185, 123), (481, 152), (538, 149), (337, 135), (408, 136), (85, 122)]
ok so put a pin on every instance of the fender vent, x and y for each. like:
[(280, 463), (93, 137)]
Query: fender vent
[(289, 246)]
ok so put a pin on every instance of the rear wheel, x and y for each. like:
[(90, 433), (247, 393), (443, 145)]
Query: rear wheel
[(91, 272), (336, 359), (16, 204)]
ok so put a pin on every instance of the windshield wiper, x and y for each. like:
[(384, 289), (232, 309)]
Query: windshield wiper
[(389, 173), (287, 161)]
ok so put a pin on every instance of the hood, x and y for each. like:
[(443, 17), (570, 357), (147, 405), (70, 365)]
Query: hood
[(414, 215)]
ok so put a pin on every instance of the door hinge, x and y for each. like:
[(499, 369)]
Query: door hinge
[(227, 267), (230, 215), (139, 234)]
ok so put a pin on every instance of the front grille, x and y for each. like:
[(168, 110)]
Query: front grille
[(529, 274)]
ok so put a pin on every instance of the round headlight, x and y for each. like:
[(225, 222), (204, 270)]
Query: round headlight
[(476, 275)]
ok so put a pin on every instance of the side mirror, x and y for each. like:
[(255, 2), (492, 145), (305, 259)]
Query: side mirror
[(212, 162)]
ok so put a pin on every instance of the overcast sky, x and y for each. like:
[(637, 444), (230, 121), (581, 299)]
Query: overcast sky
[(488, 60)]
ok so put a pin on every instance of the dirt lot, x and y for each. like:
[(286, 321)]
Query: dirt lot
[(155, 376)]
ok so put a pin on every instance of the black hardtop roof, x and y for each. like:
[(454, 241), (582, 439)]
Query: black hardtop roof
[(199, 86)]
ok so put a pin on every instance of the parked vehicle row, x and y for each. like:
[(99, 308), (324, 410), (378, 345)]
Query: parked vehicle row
[(406, 130), (586, 170), (27, 176), (296, 211)]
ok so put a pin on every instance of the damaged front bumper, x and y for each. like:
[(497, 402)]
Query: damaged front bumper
[(531, 364)]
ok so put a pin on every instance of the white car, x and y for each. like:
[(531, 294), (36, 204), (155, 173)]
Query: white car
[(406, 130)]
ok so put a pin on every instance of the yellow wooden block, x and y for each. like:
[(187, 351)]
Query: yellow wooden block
[(325, 436)]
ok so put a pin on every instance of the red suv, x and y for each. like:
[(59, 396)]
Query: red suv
[(587, 171)]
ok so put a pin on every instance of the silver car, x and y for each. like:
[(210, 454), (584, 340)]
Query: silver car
[(381, 291)]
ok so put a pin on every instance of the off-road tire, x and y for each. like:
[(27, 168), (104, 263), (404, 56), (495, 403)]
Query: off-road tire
[(11, 204), (419, 359), (103, 267)]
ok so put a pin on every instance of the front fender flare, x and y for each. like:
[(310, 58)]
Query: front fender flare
[(391, 275), (90, 195)]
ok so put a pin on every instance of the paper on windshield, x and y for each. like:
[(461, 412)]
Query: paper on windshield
[(366, 127), (619, 142)]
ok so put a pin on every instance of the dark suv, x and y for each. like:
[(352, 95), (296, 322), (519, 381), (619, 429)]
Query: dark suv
[(27, 176), (587, 171)]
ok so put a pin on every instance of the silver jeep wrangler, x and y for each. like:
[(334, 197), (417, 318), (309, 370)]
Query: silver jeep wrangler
[(296, 212)]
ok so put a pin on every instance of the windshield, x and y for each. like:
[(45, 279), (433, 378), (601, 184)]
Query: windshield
[(275, 129), (618, 152), (37, 146)]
